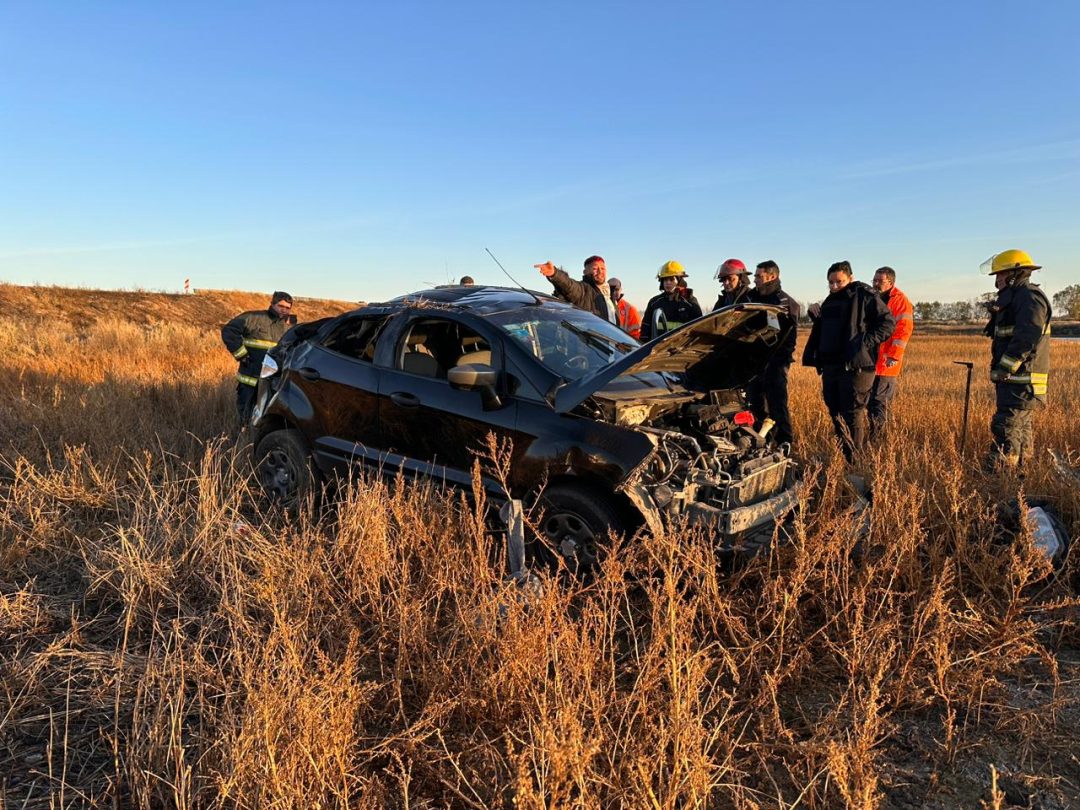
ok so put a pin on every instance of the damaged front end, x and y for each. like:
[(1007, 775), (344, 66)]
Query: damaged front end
[(713, 470)]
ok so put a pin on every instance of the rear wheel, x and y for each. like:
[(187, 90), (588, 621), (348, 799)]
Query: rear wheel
[(284, 467), (575, 527)]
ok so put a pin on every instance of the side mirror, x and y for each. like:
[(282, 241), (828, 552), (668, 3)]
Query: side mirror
[(476, 377)]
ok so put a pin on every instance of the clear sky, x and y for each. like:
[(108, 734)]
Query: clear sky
[(361, 150)]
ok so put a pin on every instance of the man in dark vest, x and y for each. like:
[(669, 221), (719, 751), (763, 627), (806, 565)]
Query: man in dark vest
[(1019, 356), (248, 336)]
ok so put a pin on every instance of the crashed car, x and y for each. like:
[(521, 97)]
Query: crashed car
[(610, 434)]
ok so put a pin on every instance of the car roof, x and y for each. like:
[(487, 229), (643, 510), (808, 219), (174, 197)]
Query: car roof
[(478, 299)]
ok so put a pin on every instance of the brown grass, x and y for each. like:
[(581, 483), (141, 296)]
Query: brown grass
[(164, 643)]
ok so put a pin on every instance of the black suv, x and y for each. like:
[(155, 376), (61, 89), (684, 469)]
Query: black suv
[(610, 433)]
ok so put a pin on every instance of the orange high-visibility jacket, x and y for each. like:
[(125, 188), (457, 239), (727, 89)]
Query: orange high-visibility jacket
[(893, 348), (629, 319)]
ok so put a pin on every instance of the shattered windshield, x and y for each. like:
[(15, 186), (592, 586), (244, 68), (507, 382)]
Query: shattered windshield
[(571, 342)]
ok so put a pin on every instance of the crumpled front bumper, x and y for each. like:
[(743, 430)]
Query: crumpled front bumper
[(740, 519)]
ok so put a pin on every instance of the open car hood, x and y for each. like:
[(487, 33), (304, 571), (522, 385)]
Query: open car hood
[(724, 349)]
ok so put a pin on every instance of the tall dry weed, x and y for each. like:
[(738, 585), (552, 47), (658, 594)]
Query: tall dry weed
[(167, 642)]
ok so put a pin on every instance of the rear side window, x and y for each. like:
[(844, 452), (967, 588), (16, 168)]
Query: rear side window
[(355, 337)]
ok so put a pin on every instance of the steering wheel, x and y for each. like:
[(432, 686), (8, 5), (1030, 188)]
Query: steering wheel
[(578, 362), (660, 322)]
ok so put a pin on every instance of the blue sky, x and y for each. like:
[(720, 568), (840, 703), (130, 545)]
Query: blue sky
[(362, 150)]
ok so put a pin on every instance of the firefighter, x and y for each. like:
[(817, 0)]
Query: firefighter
[(590, 294), (674, 306), (629, 318), (768, 392), (848, 328), (1019, 356), (891, 354), (733, 278), (248, 336)]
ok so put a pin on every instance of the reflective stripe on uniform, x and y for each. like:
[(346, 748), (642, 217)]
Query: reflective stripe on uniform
[(1036, 379), (1010, 364), (1007, 331), (260, 344), (241, 352), (905, 316), (900, 342), (244, 379)]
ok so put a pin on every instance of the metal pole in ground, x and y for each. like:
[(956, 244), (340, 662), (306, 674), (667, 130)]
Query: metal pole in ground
[(967, 403)]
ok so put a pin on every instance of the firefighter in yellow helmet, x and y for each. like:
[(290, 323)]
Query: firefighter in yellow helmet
[(674, 306), (1019, 355)]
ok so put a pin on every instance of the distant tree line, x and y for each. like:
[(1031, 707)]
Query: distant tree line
[(955, 311), (1066, 305)]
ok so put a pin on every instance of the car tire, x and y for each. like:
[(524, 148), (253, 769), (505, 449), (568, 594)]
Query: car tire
[(284, 467), (575, 525)]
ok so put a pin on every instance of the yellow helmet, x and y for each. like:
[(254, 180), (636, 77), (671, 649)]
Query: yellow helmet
[(1008, 260), (671, 269)]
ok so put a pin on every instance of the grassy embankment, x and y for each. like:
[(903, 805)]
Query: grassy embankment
[(163, 644)]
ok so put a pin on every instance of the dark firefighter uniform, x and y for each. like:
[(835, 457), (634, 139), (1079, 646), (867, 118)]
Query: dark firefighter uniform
[(1019, 366), (248, 336), (678, 307), (768, 392)]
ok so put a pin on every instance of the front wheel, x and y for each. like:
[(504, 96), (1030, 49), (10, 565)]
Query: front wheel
[(284, 468), (575, 525)]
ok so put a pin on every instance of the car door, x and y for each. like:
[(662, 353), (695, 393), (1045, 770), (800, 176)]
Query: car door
[(338, 382), (428, 427)]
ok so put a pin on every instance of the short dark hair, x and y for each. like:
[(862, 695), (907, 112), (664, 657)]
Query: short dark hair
[(888, 272), (466, 280), (770, 266), (592, 259), (279, 295), (843, 266)]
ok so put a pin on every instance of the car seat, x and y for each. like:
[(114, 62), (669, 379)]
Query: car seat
[(417, 358)]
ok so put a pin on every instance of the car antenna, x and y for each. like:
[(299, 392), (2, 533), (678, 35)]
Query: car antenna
[(516, 284)]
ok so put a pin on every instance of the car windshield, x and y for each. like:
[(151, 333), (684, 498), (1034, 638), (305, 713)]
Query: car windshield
[(571, 342)]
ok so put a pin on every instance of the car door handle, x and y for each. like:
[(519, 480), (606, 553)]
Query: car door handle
[(405, 400), (309, 373)]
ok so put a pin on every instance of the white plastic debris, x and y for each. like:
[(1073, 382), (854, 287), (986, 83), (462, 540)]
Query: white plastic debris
[(1043, 533)]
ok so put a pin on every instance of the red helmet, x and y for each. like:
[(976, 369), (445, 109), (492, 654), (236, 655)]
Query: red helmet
[(732, 267)]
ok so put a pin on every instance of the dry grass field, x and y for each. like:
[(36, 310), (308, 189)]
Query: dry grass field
[(164, 643)]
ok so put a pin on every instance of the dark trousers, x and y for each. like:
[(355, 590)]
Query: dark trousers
[(1011, 424), (846, 394), (881, 396), (245, 403), (768, 395)]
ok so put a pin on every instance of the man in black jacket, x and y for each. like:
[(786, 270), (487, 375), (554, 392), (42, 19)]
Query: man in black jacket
[(248, 336), (848, 329), (768, 391), (590, 294)]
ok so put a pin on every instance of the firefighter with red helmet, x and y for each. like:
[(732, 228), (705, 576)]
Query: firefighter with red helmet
[(674, 306), (734, 279)]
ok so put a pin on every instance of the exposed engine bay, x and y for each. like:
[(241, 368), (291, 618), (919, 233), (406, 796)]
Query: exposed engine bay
[(711, 465)]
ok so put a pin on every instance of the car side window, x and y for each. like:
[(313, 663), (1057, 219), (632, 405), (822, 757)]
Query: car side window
[(431, 346), (355, 337)]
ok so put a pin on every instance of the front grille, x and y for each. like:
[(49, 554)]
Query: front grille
[(760, 482)]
